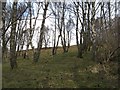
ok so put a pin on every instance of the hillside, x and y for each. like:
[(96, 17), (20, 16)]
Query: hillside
[(63, 70)]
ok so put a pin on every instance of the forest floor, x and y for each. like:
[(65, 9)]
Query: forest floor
[(63, 70)]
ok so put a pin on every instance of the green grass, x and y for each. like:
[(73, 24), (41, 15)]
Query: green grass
[(0, 75), (59, 71)]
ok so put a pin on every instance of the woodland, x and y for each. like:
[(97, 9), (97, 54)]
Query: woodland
[(73, 44)]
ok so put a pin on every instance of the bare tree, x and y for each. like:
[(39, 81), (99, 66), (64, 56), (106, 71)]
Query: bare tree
[(46, 37), (3, 31), (30, 27), (54, 41), (69, 26), (37, 53), (93, 32), (13, 62), (77, 40), (79, 33)]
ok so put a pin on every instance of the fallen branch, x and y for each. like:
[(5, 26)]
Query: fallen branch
[(112, 53)]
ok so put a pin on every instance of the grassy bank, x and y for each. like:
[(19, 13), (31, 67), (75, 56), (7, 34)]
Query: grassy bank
[(59, 71)]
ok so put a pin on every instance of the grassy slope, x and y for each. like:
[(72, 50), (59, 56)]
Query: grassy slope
[(62, 70), (0, 75)]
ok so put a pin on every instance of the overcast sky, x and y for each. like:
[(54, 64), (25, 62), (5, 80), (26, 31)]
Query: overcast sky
[(49, 22)]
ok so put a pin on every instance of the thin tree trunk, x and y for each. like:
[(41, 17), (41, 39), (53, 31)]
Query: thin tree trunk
[(37, 53), (60, 28), (13, 62), (53, 49), (93, 32), (88, 34), (109, 11), (30, 31), (63, 25), (3, 32), (79, 45)]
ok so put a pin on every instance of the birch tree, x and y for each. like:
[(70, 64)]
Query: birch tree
[(39, 46), (93, 32), (13, 62), (3, 31)]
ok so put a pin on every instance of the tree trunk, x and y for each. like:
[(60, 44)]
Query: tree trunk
[(54, 42), (88, 32), (79, 45), (109, 11), (93, 32), (13, 62), (37, 52), (3, 33), (30, 31), (63, 25)]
